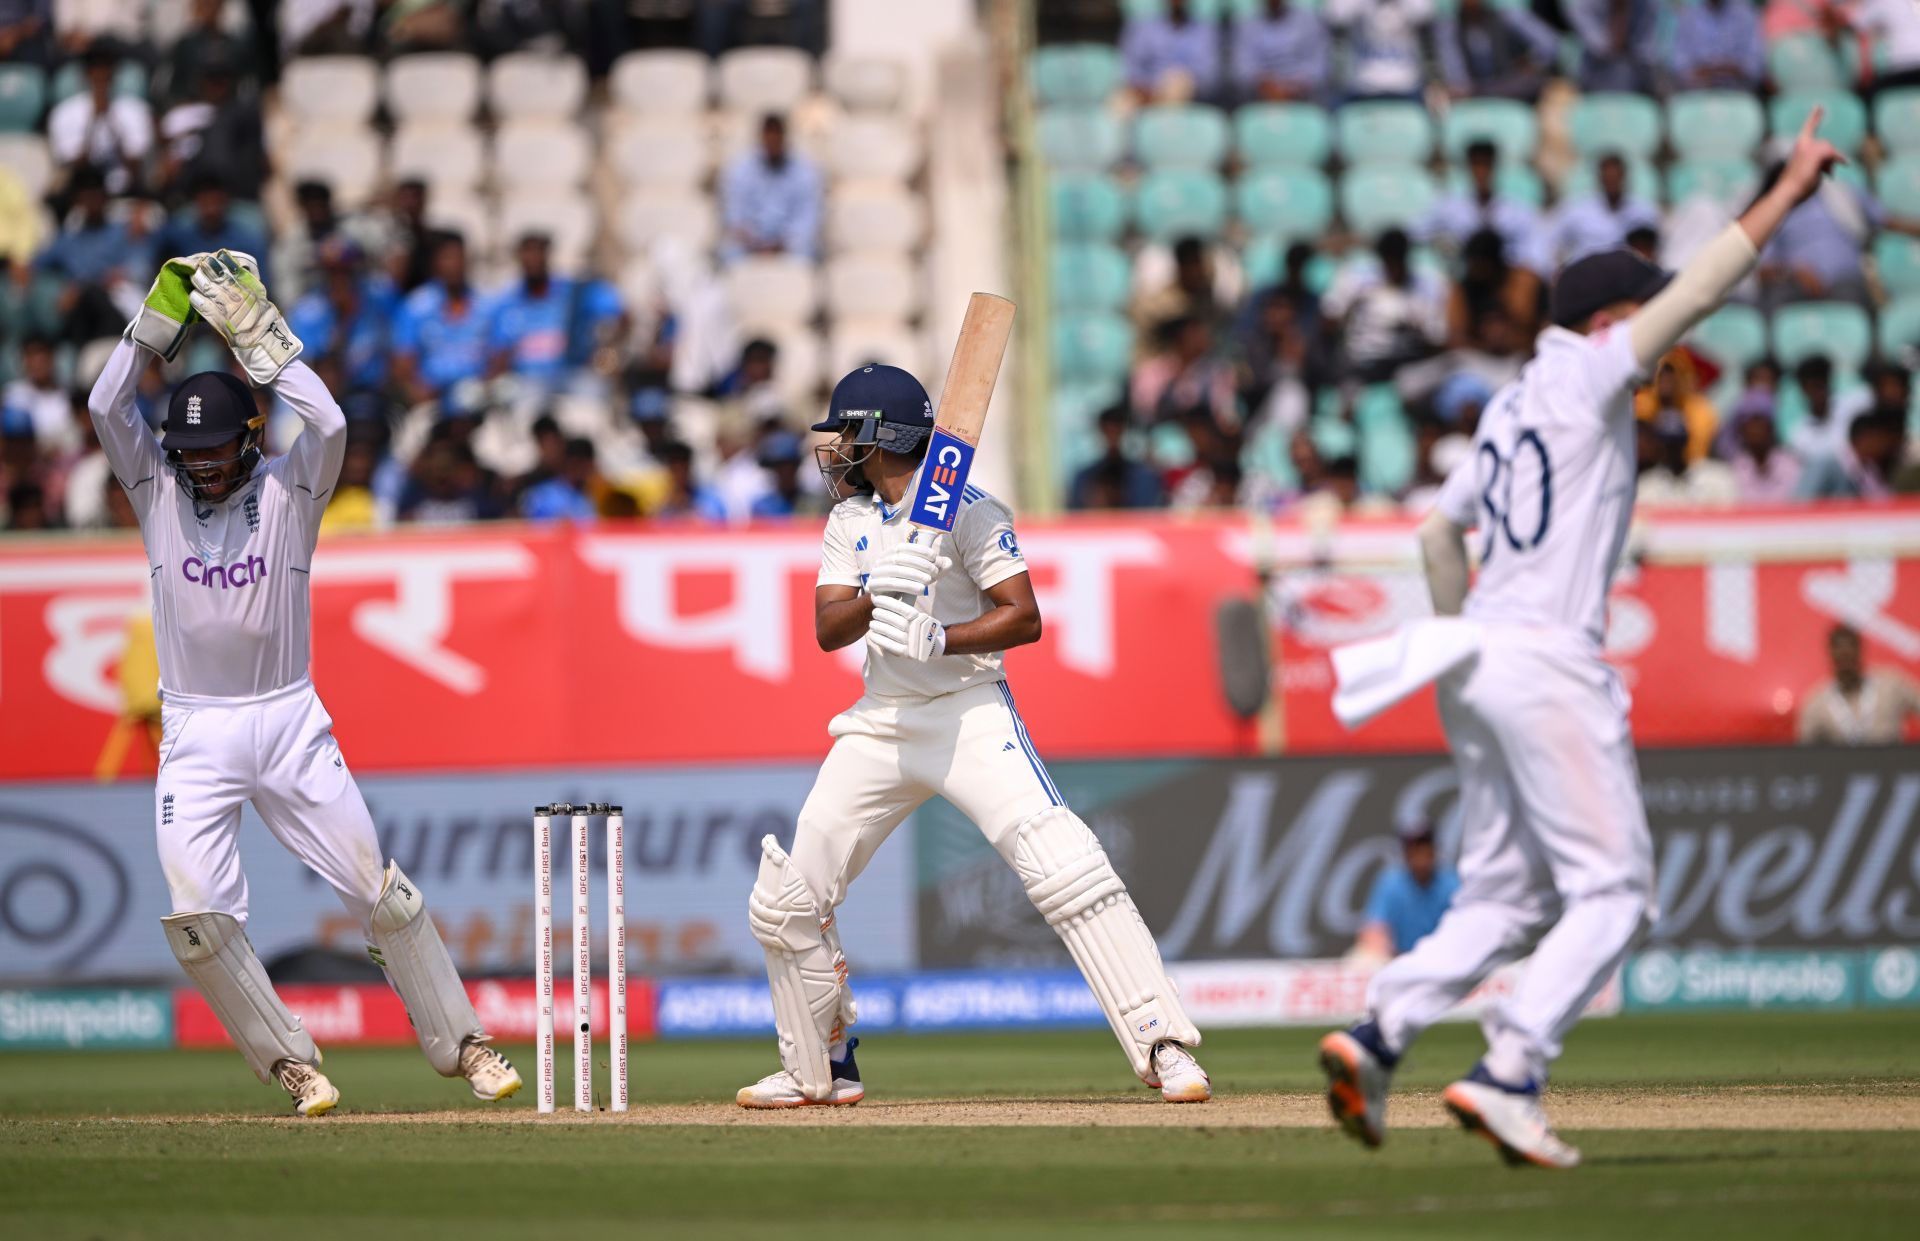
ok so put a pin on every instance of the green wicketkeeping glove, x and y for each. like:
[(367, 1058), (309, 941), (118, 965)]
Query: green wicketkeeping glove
[(228, 294), (167, 314)]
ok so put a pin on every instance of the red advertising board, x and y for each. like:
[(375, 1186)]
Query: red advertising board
[(508, 646)]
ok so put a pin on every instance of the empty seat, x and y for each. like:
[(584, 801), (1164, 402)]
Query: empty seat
[(1075, 73), (329, 90), (1900, 326), (1283, 134), (866, 83), (1180, 136), (1091, 348), (1898, 184), (1804, 62), (674, 82), (873, 146), (534, 84), (1715, 124), (26, 157), (764, 79), (468, 215), (1089, 276), (772, 289), (1840, 330), (883, 285), (856, 342), (23, 96), (1178, 202), (1897, 259), (799, 363), (540, 153), (1733, 336), (433, 86), (1721, 180), (346, 157), (1292, 204), (1080, 139), (1388, 453), (1086, 206), (647, 217), (1619, 123), (1896, 118), (650, 150), (443, 154), (1382, 131), (569, 219), (1845, 124), (1376, 197), (874, 216), (1508, 124)]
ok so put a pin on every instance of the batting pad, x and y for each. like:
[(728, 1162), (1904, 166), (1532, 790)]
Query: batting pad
[(407, 946), (1073, 885), (807, 972), (214, 951)]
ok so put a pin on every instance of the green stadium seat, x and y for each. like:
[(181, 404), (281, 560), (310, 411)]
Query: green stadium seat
[(1643, 180), (1508, 124), (1090, 276), (1733, 336), (1333, 435), (1075, 73), (1896, 118), (1073, 409), (1375, 197), (43, 305), (1715, 124), (1205, 10), (1726, 181), (1080, 139), (1846, 121), (1900, 326), (1186, 135), (1180, 202), (1087, 206), (1091, 348), (1291, 205), (1840, 330), (1898, 185), (1603, 122), (1388, 453), (1287, 134), (129, 79), (1898, 261), (1383, 131), (23, 96), (1515, 181), (1804, 62)]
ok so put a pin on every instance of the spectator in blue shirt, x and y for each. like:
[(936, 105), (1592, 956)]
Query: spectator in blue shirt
[(1491, 53), (440, 332), (1616, 42), (1455, 217), (1116, 479), (1280, 53), (770, 200), (686, 498), (568, 494), (781, 454), (209, 224), (542, 327), (1407, 900), (105, 265), (1717, 46), (348, 318), (1816, 254), (1600, 220), (1172, 57)]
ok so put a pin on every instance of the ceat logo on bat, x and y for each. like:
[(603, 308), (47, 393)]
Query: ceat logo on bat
[(942, 478)]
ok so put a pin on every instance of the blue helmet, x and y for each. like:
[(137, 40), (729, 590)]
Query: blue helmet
[(887, 409)]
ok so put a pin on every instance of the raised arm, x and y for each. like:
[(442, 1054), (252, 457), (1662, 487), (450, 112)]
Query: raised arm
[(313, 463), (129, 443)]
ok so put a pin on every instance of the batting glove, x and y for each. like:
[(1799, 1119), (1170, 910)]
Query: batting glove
[(229, 296), (908, 570), (899, 628)]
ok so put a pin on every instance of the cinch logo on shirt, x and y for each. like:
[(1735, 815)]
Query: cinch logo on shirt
[(239, 573)]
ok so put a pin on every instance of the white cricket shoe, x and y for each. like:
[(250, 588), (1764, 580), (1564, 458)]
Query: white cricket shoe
[(313, 1094), (1511, 1119), (491, 1074), (1181, 1079), (1357, 1083), (782, 1089)]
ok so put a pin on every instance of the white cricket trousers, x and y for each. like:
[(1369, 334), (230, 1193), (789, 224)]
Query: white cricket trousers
[(277, 751), (1555, 856), (891, 754)]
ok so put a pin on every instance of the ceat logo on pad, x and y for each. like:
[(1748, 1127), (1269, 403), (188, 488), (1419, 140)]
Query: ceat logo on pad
[(949, 461)]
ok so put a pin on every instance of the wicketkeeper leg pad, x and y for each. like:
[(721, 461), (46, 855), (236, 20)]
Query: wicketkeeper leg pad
[(1073, 885), (408, 947), (214, 951), (807, 972)]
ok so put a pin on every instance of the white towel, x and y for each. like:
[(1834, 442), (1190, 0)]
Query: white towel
[(1374, 675)]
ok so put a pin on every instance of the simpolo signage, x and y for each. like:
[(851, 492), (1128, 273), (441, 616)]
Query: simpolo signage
[(86, 1019), (1787, 849)]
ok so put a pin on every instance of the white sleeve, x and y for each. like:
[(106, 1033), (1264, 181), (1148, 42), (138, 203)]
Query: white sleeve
[(984, 543), (126, 439), (837, 564), (1459, 498), (1605, 366), (312, 465)]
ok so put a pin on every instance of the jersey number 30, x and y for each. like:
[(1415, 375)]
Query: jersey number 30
[(1497, 495)]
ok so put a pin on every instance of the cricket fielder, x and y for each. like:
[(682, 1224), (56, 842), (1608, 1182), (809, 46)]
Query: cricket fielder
[(1555, 857), (229, 538), (937, 718)]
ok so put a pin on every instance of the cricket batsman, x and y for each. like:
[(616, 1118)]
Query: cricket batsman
[(937, 718), (229, 539), (1555, 857)]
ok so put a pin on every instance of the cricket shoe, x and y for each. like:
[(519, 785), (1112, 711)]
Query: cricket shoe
[(1179, 1076), (491, 1074), (313, 1094), (1509, 1117), (1357, 1080), (782, 1089)]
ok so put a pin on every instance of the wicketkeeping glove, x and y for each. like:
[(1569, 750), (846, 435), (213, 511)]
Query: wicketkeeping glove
[(907, 570), (899, 628), (167, 315), (229, 296)]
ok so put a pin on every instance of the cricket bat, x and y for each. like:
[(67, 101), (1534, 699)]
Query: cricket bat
[(963, 411)]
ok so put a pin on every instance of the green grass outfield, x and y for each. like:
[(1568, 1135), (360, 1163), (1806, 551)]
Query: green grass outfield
[(1702, 1126)]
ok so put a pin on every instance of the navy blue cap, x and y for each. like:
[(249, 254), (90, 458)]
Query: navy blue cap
[(208, 409), (1591, 284), (885, 392)]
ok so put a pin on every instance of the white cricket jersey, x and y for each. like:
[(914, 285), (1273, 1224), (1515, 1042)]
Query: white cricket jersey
[(1550, 484), (231, 615), (984, 552)]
